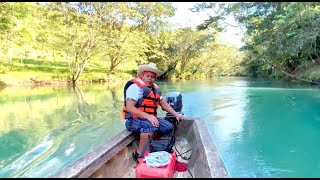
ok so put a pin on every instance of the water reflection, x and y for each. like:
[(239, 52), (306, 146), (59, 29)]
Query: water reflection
[(75, 120), (229, 107), (82, 104)]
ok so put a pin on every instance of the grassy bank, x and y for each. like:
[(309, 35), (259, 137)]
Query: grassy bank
[(41, 72), (30, 72)]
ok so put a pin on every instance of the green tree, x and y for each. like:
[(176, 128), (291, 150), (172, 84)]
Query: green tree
[(78, 36), (128, 26), (280, 37)]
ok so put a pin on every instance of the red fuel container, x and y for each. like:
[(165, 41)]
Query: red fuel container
[(144, 171)]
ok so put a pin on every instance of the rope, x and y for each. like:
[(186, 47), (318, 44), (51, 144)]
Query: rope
[(179, 154)]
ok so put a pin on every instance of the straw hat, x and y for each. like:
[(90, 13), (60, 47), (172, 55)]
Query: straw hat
[(152, 67)]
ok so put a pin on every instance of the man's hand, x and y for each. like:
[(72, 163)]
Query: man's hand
[(179, 117), (166, 107), (154, 121)]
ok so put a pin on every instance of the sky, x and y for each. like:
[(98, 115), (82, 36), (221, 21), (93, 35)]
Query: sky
[(186, 18)]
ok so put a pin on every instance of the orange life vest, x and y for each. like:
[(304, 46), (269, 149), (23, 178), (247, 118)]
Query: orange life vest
[(149, 101)]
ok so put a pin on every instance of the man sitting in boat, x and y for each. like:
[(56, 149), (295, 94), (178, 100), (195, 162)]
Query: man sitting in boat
[(141, 100)]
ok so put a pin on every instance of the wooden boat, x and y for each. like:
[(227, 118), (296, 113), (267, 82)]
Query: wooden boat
[(114, 158)]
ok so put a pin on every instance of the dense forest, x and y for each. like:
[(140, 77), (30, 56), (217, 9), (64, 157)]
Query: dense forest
[(106, 41), (282, 38)]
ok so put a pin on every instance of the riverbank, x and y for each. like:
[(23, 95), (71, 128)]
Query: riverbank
[(27, 79), (37, 72)]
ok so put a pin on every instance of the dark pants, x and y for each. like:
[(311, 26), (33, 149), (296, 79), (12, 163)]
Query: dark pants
[(145, 126)]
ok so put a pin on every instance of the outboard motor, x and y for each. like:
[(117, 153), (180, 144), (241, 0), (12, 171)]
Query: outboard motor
[(174, 99)]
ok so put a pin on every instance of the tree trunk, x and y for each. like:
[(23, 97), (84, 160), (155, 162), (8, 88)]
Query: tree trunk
[(196, 69), (170, 68), (54, 59), (9, 56)]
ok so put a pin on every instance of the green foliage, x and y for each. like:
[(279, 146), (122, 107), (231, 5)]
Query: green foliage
[(94, 41), (3, 69), (58, 75), (283, 34), (311, 75), (279, 37)]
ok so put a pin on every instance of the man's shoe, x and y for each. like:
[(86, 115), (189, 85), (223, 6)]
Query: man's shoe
[(136, 157)]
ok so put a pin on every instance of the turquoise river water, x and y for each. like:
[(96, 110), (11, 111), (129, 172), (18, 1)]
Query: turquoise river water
[(262, 128)]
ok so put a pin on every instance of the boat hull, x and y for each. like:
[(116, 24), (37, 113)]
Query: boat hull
[(114, 158)]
